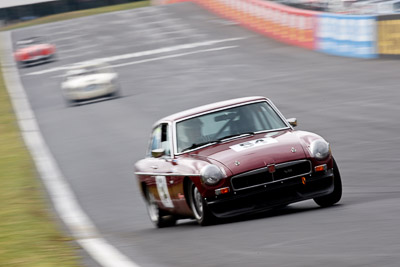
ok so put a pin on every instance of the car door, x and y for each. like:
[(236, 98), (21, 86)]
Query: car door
[(160, 163)]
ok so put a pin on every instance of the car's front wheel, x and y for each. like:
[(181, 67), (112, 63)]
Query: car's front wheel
[(21, 64), (70, 102), (199, 207), (158, 217), (336, 195)]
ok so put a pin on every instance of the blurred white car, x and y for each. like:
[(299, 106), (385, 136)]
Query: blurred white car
[(90, 81)]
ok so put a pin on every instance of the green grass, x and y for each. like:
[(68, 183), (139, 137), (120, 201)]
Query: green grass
[(30, 234), (77, 14)]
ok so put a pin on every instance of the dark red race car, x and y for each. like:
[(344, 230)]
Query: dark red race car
[(231, 158), (33, 51)]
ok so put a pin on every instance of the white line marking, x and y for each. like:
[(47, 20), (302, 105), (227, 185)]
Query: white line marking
[(165, 57), (173, 56), (188, 31), (59, 190), (141, 54), (68, 32), (78, 55), (164, 21), (175, 38), (67, 38), (116, 22), (77, 48), (64, 45)]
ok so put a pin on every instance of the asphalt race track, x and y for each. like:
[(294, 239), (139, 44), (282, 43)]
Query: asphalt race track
[(171, 58)]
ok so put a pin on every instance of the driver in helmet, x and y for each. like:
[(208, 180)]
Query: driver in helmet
[(191, 134)]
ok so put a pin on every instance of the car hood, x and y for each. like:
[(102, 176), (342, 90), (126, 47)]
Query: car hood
[(33, 48), (86, 80), (245, 154)]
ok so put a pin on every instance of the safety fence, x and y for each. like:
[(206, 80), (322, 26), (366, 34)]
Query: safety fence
[(362, 36), (389, 35)]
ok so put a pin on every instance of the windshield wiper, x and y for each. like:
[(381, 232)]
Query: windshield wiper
[(199, 145), (235, 135), (193, 146)]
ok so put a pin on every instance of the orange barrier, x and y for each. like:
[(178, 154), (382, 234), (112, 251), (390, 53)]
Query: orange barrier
[(286, 24), (343, 35), (165, 2), (177, 1)]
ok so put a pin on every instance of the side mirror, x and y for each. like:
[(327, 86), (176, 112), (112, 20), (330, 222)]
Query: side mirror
[(292, 121), (157, 153)]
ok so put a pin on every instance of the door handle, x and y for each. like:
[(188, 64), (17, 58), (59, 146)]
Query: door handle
[(154, 167)]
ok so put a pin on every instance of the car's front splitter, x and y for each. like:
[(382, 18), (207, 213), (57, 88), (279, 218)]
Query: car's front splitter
[(272, 195), (37, 60)]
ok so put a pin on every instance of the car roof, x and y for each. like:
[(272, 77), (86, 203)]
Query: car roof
[(210, 107)]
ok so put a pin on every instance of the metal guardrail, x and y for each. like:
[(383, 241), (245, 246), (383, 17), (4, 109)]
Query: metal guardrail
[(360, 36)]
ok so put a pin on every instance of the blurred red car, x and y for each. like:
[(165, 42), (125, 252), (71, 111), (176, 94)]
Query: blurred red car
[(230, 158), (33, 51)]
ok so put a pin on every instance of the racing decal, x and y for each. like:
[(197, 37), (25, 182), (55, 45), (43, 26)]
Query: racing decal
[(163, 192), (253, 143)]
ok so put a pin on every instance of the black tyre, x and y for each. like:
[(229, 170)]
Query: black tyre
[(71, 103), (199, 207), (158, 217), (53, 58), (21, 65), (117, 93), (336, 195)]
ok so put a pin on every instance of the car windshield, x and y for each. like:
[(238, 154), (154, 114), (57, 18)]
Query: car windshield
[(228, 123), (88, 70), (82, 72)]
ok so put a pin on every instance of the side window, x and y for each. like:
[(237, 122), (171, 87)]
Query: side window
[(160, 138), (155, 141)]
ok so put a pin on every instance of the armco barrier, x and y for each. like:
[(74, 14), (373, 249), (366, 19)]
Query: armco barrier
[(389, 35), (286, 24), (362, 36), (347, 35)]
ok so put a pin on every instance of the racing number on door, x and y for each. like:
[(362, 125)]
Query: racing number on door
[(163, 192)]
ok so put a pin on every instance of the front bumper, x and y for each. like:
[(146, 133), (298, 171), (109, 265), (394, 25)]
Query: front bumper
[(271, 195), (81, 94), (36, 59)]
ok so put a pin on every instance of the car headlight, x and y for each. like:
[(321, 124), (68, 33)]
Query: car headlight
[(320, 149), (211, 174)]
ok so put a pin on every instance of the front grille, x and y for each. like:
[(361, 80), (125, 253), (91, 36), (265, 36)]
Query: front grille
[(251, 179), (262, 176), (291, 169)]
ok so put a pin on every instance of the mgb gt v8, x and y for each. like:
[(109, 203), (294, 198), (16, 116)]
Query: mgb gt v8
[(230, 158)]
